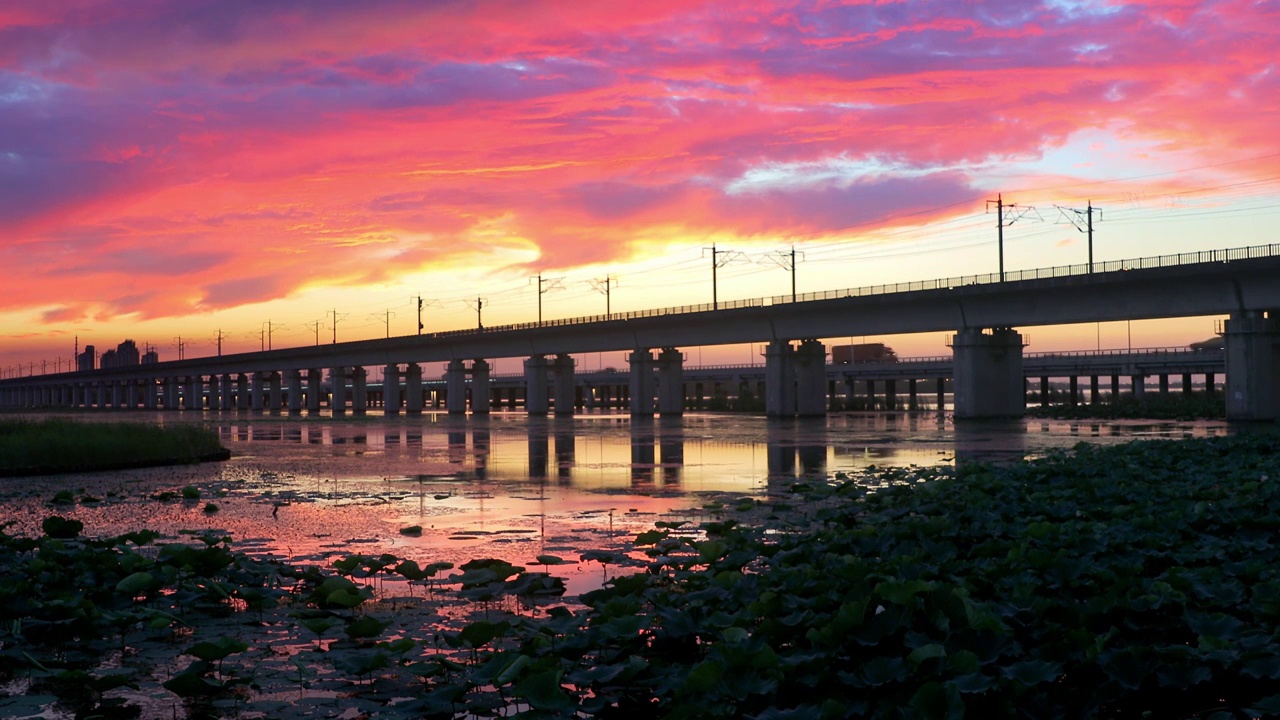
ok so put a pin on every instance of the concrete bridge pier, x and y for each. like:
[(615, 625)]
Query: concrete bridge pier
[(642, 385), (227, 397), (1094, 396), (391, 390), (1252, 342), (359, 390), (413, 389), (194, 393), (481, 387), (215, 392), (564, 392), (810, 362), (170, 394), (242, 391), (779, 379), (338, 390), (670, 382), (988, 373), (117, 397), (1138, 384), (455, 384), (536, 401), (293, 378), (313, 392), (275, 392), (258, 392)]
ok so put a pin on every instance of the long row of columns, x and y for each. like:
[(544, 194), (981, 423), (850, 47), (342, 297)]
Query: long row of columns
[(988, 382)]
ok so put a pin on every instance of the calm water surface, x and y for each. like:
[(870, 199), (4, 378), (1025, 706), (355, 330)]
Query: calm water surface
[(511, 486)]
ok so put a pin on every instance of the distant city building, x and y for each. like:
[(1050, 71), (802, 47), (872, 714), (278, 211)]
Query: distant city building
[(150, 357), (126, 354), (108, 359), (84, 361)]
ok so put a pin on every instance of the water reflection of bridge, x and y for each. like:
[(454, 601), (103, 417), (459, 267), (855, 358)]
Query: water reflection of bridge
[(670, 454)]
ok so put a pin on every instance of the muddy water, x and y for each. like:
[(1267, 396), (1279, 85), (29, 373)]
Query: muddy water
[(510, 486)]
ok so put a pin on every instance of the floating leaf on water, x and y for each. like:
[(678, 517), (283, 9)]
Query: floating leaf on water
[(61, 528)]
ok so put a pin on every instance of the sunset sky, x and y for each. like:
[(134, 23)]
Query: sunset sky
[(180, 168)]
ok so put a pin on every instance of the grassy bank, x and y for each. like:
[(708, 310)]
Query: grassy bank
[(33, 447), (1132, 581)]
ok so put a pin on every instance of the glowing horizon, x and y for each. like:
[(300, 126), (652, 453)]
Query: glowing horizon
[(190, 169)]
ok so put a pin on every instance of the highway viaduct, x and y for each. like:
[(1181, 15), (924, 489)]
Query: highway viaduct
[(985, 312)]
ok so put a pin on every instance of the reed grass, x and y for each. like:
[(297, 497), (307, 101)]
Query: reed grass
[(53, 445)]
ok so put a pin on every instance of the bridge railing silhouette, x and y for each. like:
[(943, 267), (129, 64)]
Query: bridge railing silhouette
[(1156, 261)]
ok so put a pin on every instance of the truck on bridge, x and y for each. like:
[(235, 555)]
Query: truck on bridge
[(862, 353)]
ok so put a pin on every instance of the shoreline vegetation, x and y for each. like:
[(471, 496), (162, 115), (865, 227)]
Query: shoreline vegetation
[(56, 445), (1113, 582)]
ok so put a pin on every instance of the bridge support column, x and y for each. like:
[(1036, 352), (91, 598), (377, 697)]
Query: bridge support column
[(391, 390), (293, 379), (1208, 384), (1094, 395), (1115, 388), (642, 386), (891, 394), (810, 363), (1186, 383), (195, 393), (535, 385), (227, 398), (1164, 383), (214, 389), (242, 391), (481, 387), (871, 395), (274, 394), (779, 379), (913, 397), (338, 390), (564, 391), (1044, 391), (455, 384), (1252, 342), (359, 390), (314, 392), (942, 394), (117, 397), (258, 392), (413, 389), (150, 394), (988, 373), (1075, 390), (1139, 385), (171, 401), (670, 382)]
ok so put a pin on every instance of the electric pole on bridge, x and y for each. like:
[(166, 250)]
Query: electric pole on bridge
[(1083, 220), (786, 261), (336, 318), (386, 318), (478, 305), (421, 304), (316, 327), (716, 264), (1007, 215), (602, 286), (551, 284)]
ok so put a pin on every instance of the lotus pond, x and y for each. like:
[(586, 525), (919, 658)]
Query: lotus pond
[(713, 567)]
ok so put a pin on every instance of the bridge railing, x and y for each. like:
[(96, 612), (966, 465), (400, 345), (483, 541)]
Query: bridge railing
[(1157, 261), (1145, 263)]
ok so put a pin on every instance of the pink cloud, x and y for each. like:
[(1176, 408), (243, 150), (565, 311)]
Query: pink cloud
[(172, 141)]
